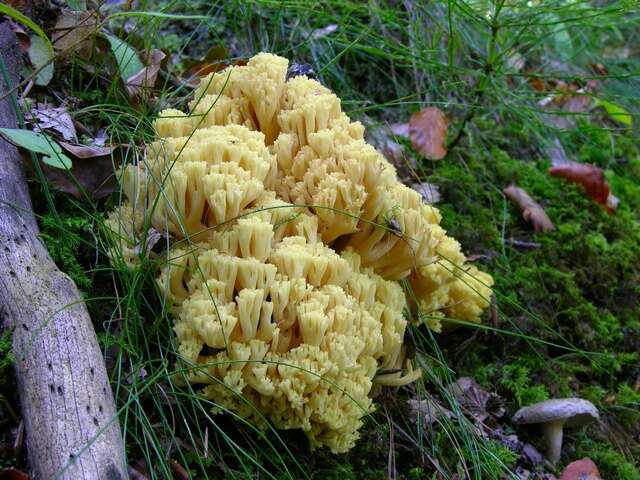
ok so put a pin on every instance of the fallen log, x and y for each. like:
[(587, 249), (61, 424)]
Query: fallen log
[(72, 429)]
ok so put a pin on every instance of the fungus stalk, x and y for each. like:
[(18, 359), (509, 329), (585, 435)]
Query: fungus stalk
[(553, 433)]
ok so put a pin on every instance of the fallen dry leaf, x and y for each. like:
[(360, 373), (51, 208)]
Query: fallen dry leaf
[(400, 129), (145, 79), (599, 69), (380, 138), (323, 32), (591, 178), (95, 175), (537, 84), (215, 60), (24, 40), (565, 102), (475, 400), (48, 117), (86, 151), (179, 470), (427, 131), (583, 469), (531, 210), (571, 107), (430, 192), (429, 410), (73, 31)]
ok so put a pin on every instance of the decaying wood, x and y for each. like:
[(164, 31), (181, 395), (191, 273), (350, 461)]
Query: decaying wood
[(72, 431)]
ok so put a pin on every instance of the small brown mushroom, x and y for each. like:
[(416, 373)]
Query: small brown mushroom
[(554, 415)]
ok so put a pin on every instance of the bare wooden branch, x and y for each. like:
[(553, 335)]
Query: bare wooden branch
[(72, 430)]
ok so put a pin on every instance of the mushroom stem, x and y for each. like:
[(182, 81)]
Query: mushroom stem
[(553, 439)]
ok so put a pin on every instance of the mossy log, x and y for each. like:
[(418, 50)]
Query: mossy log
[(68, 409)]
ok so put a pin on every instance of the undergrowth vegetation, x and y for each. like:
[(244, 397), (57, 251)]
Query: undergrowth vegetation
[(565, 321)]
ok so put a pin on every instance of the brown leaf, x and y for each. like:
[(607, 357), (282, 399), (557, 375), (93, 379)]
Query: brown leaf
[(197, 69), (145, 79), (428, 130), (86, 151), (583, 469), (12, 474), (537, 84), (95, 175), (571, 106), (179, 470), (24, 40), (531, 210), (599, 69), (48, 117), (591, 178), (380, 138), (474, 399), (73, 31), (429, 410), (430, 192)]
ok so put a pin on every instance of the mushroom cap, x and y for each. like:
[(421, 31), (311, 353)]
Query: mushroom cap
[(575, 412)]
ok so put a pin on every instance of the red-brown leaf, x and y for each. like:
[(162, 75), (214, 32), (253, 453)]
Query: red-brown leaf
[(583, 469), (591, 178), (12, 474), (531, 210), (179, 470), (428, 130)]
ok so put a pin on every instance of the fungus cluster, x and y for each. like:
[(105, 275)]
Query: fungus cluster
[(289, 234)]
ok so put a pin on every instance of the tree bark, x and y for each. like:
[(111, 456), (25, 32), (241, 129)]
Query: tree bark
[(72, 429)]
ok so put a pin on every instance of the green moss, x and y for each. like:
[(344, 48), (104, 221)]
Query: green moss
[(571, 296), (516, 378), (6, 356), (66, 243)]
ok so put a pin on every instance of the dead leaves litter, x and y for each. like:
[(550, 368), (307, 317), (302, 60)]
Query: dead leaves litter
[(531, 210), (57, 119)]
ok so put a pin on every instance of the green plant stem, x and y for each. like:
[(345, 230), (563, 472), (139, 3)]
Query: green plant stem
[(481, 85)]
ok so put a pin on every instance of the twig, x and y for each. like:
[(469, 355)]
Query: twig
[(523, 243)]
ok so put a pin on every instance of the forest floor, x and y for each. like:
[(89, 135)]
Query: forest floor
[(525, 86)]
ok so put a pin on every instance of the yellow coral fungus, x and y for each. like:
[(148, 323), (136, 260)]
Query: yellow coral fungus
[(290, 234)]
